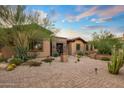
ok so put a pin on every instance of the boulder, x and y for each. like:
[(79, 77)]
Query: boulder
[(3, 66)]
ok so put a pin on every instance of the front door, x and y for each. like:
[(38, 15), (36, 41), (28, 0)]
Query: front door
[(59, 48)]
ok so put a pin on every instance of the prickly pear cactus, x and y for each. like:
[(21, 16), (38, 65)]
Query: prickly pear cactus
[(117, 61)]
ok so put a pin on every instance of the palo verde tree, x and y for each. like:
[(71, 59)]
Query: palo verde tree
[(104, 42), (18, 29)]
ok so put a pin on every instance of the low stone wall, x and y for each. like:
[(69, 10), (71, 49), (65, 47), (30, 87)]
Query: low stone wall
[(99, 56)]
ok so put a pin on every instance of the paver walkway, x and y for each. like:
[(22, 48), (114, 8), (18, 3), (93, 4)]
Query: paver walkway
[(66, 75)]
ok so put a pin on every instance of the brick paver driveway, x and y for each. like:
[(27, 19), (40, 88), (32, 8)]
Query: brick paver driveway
[(59, 74)]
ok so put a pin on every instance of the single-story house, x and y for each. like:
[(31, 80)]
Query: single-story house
[(75, 45), (59, 44), (70, 46), (46, 47), (56, 44)]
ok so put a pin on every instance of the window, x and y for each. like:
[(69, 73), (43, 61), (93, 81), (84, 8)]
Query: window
[(36, 45), (87, 47), (77, 47)]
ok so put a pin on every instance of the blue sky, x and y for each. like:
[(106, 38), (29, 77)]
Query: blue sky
[(83, 20)]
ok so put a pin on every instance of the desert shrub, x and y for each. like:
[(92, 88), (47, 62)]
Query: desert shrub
[(86, 53), (33, 63), (16, 61), (48, 60), (78, 58), (55, 54), (21, 53), (117, 61), (10, 67), (3, 59), (105, 49), (104, 42), (80, 53)]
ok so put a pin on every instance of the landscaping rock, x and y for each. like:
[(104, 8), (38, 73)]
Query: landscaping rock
[(3, 66)]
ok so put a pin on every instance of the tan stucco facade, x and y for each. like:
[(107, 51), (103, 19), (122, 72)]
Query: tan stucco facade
[(59, 40), (7, 52), (72, 47), (50, 46), (46, 49)]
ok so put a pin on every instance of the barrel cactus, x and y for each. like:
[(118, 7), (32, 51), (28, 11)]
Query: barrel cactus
[(10, 68), (117, 61)]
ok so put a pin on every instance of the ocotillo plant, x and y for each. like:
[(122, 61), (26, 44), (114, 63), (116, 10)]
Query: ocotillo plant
[(117, 61)]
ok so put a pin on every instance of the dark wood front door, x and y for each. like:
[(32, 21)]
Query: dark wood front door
[(59, 48)]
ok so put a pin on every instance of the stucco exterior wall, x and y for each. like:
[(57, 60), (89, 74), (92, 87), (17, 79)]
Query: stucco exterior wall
[(46, 49), (56, 40), (68, 48), (72, 47), (7, 52)]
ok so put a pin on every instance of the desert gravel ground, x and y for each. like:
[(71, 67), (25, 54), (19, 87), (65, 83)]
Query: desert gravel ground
[(63, 75)]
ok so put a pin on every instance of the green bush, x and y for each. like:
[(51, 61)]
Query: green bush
[(33, 63), (1, 58), (55, 54), (80, 53), (117, 61), (104, 42), (104, 50), (78, 58), (21, 53), (16, 61)]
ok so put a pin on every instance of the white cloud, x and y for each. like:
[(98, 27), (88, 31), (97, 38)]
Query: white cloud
[(41, 13), (101, 20), (90, 12), (93, 20), (84, 14), (69, 33), (63, 21), (116, 31), (94, 27), (104, 15)]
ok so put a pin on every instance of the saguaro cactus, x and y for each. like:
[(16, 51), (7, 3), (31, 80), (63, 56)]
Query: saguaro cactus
[(117, 61)]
